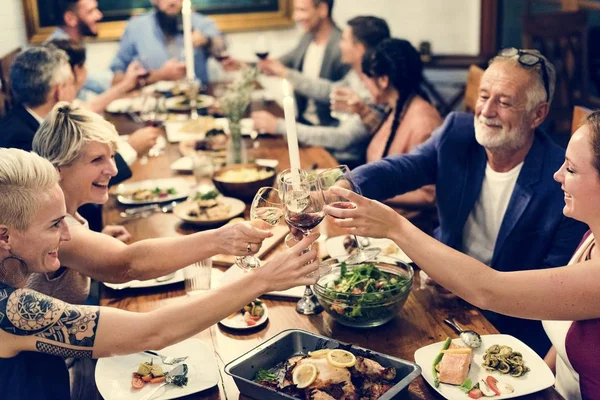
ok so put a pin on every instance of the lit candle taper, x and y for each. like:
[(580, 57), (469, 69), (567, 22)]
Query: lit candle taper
[(188, 47), (290, 125)]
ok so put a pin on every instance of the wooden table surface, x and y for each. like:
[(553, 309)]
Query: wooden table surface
[(418, 324)]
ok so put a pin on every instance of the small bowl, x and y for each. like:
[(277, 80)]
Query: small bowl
[(242, 190), (358, 312)]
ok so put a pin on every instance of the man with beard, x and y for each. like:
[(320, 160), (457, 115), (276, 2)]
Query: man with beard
[(156, 40), (80, 20), (496, 197)]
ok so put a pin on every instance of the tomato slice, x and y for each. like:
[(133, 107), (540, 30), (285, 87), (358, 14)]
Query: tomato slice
[(493, 384), (147, 378), (475, 393), (137, 383)]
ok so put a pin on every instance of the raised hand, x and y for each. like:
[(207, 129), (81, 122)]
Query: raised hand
[(243, 238)]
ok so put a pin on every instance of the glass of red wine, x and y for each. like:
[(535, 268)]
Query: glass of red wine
[(295, 235), (303, 204), (261, 47), (340, 176)]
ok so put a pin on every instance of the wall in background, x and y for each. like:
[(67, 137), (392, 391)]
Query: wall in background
[(452, 27)]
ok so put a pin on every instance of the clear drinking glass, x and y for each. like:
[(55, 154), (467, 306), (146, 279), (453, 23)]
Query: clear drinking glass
[(203, 168), (285, 177), (340, 94), (303, 200), (197, 277), (266, 207), (340, 176)]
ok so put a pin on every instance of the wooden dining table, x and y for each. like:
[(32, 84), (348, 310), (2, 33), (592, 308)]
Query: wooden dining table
[(419, 323)]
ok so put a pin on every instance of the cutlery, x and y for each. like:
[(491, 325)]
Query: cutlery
[(165, 278), (167, 359), (469, 337), (144, 211), (177, 376)]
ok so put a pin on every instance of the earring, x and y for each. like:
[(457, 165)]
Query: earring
[(13, 270)]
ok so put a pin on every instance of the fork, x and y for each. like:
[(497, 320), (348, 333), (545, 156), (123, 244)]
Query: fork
[(167, 359)]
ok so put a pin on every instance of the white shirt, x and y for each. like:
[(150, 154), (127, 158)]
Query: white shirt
[(311, 67), (34, 115), (484, 221)]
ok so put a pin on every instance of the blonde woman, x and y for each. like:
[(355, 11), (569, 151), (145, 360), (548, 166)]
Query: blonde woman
[(81, 146), (37, 330)]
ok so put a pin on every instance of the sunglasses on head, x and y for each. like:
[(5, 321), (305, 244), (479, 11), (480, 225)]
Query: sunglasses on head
[(529, 60)]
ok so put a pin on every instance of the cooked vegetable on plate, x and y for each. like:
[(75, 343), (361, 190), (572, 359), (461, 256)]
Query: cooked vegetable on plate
[(147, 372), (151, 194)]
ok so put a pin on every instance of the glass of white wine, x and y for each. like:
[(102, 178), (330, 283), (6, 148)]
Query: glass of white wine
[(266, 207)]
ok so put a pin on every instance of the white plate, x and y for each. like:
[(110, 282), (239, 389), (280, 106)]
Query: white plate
[(182, 210), (126, 104), (174, 135), (538, 378), (177, 276), (235, 272), (173, 103), (184, 164), (335, 248), (238, 322), (181, 186), (113, 375)]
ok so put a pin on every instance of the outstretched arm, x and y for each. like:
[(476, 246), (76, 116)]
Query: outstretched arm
[(107, 259), (36, 322), (563, 293)]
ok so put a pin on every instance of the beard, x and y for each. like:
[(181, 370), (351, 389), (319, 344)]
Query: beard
[(169, 24), (85, 30), (500, 139)]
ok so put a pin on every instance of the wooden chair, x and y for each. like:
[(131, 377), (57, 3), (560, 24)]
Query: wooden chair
[(579, 115), (5, 63), (562, 38), (472, 88)]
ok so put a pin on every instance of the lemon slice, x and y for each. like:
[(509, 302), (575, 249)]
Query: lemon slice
[(319, 353), (304, 375), (341, 358)]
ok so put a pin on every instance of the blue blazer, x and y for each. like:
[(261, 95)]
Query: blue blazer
[(534, 232)]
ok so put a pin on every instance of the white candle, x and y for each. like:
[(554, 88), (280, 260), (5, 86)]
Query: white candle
[(188, 47), (290, 125)]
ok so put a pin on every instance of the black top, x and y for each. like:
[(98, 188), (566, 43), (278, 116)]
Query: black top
[(31, 375)]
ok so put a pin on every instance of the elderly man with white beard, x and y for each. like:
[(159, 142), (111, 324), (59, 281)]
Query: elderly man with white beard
[(496, 197)]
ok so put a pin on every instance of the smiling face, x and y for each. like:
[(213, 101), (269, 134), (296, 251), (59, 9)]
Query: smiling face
[(307, 16), (38, 244), (169, 7), (352, 50), (579, 178), (86, 179), (88, 16), (502, 121)]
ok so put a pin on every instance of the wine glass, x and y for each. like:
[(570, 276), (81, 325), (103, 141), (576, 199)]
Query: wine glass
[(303, 200), (340, 176), (261, 47), (266, 207), (286, 177)]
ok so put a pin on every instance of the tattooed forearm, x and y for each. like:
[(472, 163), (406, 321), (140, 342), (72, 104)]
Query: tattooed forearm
[(62, 351), (26, 312)]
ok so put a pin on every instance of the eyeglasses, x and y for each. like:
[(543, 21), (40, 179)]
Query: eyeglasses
[(529, 60)]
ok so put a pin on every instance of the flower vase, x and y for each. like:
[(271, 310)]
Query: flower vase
[(236, 151)]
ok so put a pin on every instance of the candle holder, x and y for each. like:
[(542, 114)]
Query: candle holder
[(194, 91)]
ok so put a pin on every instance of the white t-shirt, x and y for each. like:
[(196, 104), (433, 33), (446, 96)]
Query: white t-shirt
[(483, 224), (311, 67)]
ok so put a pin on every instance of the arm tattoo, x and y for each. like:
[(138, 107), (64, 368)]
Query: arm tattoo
[(25, 312)]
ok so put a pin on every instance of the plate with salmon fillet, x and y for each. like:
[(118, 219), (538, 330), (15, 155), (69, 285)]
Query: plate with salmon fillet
[(503, 368)]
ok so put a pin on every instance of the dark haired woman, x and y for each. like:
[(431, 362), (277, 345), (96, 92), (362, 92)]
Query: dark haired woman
[(393, 73)]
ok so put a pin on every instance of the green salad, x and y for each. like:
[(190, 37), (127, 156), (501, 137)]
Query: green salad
[(365, 293)]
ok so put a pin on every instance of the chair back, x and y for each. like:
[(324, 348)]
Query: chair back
[(5, 64), (579, 115), (472, 88), (562, 38)]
